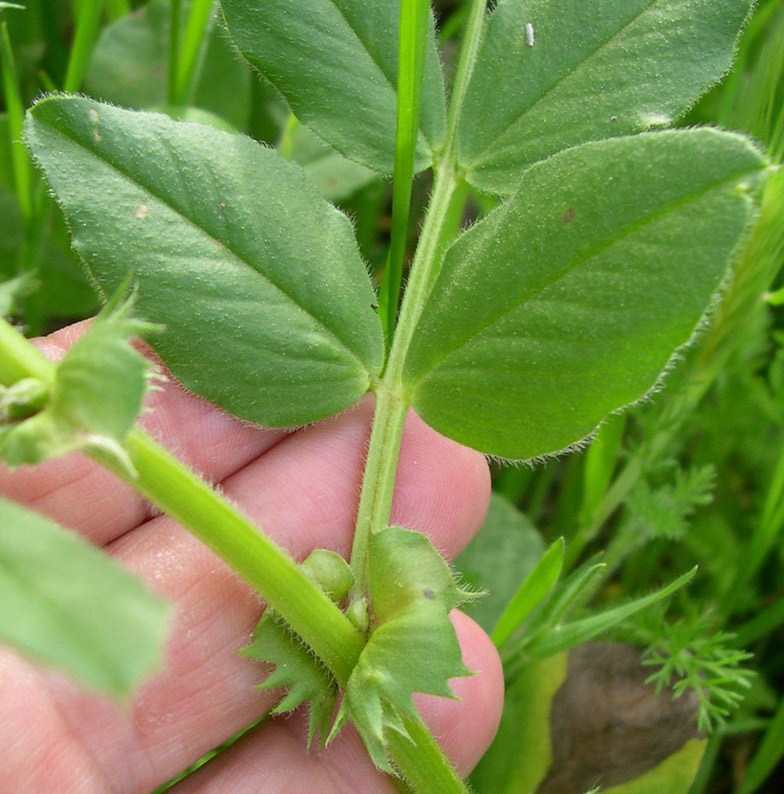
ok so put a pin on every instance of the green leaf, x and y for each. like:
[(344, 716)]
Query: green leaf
[(566, 636), (12, 290), (296, 666), (565, 727), (569, 594), (336, 177), (591, 72), (96, 397), (130, 60), (297, 669), (336, 66), (534, 588), (567, 302), (502, 553), (412, 647), (65, 603), (265, 298), (521, 752), (674, 775)]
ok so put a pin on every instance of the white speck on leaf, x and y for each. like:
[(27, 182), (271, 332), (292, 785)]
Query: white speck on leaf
[(529, 33), (142, 211), (92, 114)]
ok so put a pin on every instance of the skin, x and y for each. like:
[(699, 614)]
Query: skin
[(303, 488)]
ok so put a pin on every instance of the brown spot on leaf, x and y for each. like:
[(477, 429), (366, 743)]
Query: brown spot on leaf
[(568, 216), (607, 725)]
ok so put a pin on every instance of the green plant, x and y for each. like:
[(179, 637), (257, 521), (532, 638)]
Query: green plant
[(518, 338)]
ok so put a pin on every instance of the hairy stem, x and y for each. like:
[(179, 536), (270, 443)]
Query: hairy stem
[(421, 761), (392, 399), (199, 508)]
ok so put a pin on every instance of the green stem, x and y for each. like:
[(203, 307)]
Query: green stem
[(116, 9), (412, 44), (193, 43), (188, 499), (422, 763), (378, 482), (286, 143), (762, 541), (175, 26), (82, 48), (15, 108), (185, 497), (392, 397), (262, 563)]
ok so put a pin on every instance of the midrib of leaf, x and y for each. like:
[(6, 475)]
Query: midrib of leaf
[(390, 79), (601, 248), (549, 89), (331, 333), (30, 585)]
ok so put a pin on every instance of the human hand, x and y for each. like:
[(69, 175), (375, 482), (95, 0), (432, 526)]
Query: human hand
[(302, 487)]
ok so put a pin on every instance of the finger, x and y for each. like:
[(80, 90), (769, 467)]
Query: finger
[(442, 488), (87, 498), (273, 758), (304, 493)]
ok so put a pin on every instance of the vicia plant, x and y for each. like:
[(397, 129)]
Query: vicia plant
[(607, 247)]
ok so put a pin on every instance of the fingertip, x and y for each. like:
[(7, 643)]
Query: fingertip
[(442, 487)]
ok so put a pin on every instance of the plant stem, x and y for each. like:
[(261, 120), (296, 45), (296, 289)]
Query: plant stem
[(261, 562), (191, 51), (188, 499), (268, 568), (391, 396), (422, 763), (412, 44), (378, 482), (762, 541), (175, 25), (82, 48), (286, 143), (15, 108)]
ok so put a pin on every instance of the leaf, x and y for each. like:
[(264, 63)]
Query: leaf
[(566, 596), (336, 177), (562, 637), (296, 667), (13, 289), (412, 647), (336, 66), (592, 72), (503, 552), (674, 775), (130, 61), (606, 723), (565, 727), (265, 298), (96, 397), (567, 302), (63, 291), (521, 752), (65, 603), (665, 512), (534, 588)]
